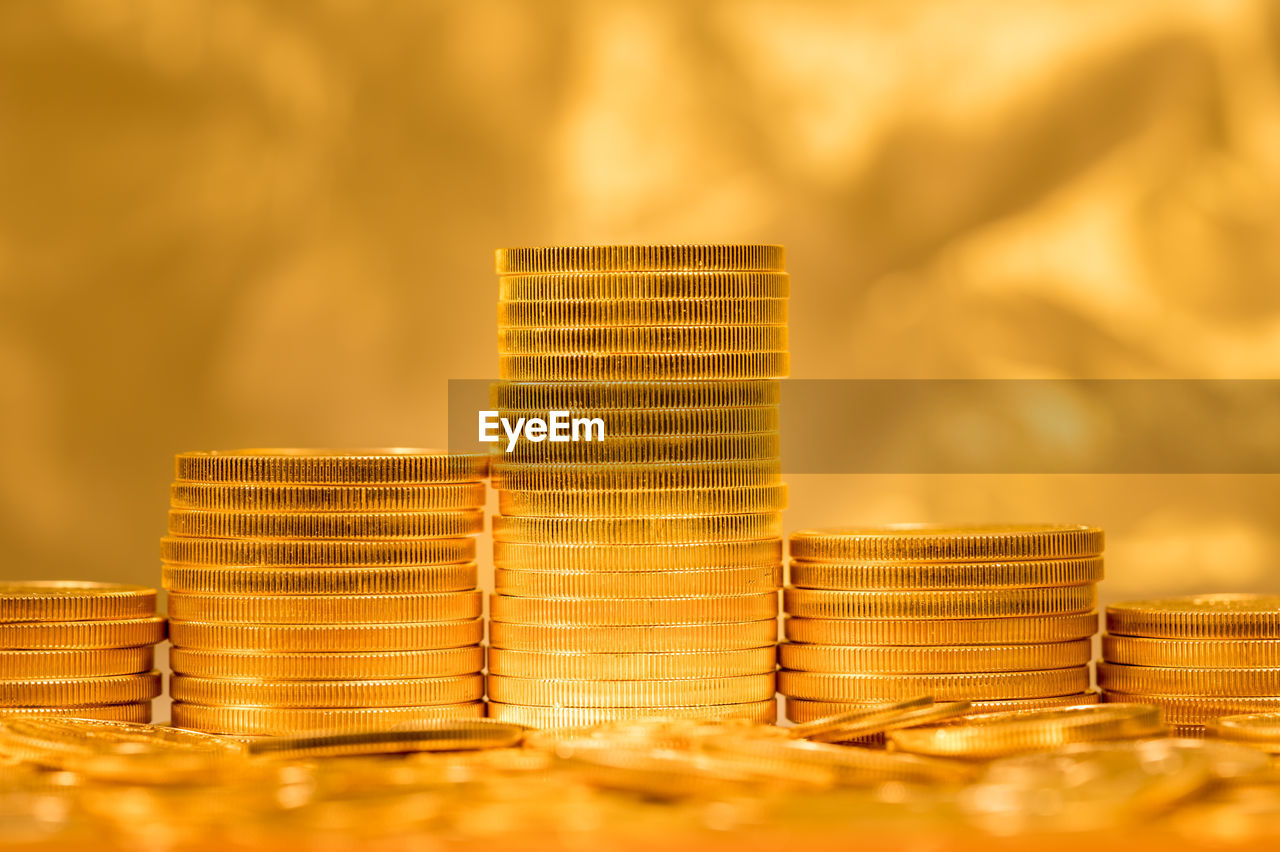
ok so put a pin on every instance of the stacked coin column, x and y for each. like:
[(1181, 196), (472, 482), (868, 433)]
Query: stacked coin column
[(324, 591), (637, 574), (1002, 617), (78, 649), (1198, 658)]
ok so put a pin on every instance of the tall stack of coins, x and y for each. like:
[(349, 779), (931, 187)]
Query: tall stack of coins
[(324, 590), (1001, 616), (1197, 658), (638, 575), (78, 649)]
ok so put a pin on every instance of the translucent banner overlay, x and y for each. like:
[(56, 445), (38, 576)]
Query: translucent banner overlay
[(999, 426)]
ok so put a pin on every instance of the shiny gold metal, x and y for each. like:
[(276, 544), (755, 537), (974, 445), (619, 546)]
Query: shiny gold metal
[(640, 397), (668, 529), (633, 611), (326, 637), (853, 766), (546, 692), (1197, 709), (288, 554), (641, 422), (301, 665), (1192, 653), (626, 340), (97, 662), (654, 449), (278, 721), (326, 525), (71, 600), (801, 711), (325, 609), (638, 639), (580, 556), (425, 736), (135, 712), (947, 575), (85, 635), (1208, 682), (390, 580), (386, 466), (639, 367), (569, 665), (941, 543), (821, 686), (664, 284), (1222, 616), (579, 476), (956, 659), (638, 584), (572, 717), (328, 498), (404, 692), (542, 260), (970, 631), (645, 502), (80, 692), (943, 605)]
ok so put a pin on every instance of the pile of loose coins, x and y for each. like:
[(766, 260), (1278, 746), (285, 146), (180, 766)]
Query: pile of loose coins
[(78, 649), (1001, 617), (324, 590), (638, 550)]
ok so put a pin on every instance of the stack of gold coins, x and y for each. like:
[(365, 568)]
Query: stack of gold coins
[(78, 649), (638, 565), (1001, 616), (1197, 658), (324, 590)]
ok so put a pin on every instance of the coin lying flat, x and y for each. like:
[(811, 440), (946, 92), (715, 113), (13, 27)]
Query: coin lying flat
[(369, 665), (1239, 682), (581, 556), (634, 638), (424, 736), (67, 600), (851, 765), (877, 718), (137, 711), (573, 717), (956, 631), (80, 692), (278, 721), (940, 543), (401, 692), (1258, 729), (802, 711), (692, 529), (999, 734), (325, 609), (97, 662), (543, 260), (947, 575), (301, 553), (369, 526), (1224, 616), (82, 635), (560, 665), (326, 637), (949, 687), (387, 466), (634, 611), (1192, 653), (390, 580), (922, 659), (950, 604), (631, 693), (745, 580), (327, 498), (1198, 710)]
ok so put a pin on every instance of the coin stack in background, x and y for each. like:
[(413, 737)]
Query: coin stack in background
[(324, 590), (1197, 658), (78, 649), (1002, 616), (638, 575)]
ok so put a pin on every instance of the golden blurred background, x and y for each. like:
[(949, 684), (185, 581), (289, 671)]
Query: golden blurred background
[(228, 223)]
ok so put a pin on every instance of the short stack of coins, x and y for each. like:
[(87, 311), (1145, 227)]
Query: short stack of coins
[(78, 649), (324, 590), (1197, 658), (1000, 616), (638, 575)]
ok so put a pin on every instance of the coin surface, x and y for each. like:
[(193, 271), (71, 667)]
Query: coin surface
[(137, 712), (626, 340), (852, 765), (801, 711), (377, 580), (1238, 682), (716, 529), (1261, 729), (634, 611), (573, 717), (638, 584), (650, 449), (876, 719), (633, 422), (644, 366), (202, 523), (546, 692), (541, 260), (325, 609), (385, 466), (1197, 709), (97, 662), (402, 692), (424, 736), (579, 556), (947, 575), (1222, 616), (80, 692), (957, 631), (301, 553), (634, 638), (71, 600), (644, 397), (986, 603), (1192, 653), (907, 659), (278, 721), (646, 502), (942, 543), (77, 635), (571, 665), (327, 498), (662, 284), (999, 734), (326, 637), (822, 686), (638, 312), (369, 665)]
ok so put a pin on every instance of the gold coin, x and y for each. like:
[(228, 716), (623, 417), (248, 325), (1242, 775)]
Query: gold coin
[(853, 766), (1192, 653), (1197, 709), (405, 692), (923, 659), (658, 449), (136, 712), (629, 422), (369, 665), (940, 543), (328, 498), (803, 711), (99, 662), (71, 600), (633, 611), (874, 720), (635, 557), (665, 529), (570, 665), (1240, 682), (392, 580), (300, 554), (537, 260), (642, 639), (815, 603), (280, 721), (325, 609), (426, 736), (822, 686), (639, 312), (387, 466), (1224, 616), (632, 340), (948, 575), (999, 734), (633, 477), (604, 397), (544, 692), (576, 717), (1256, 728), (326, 637), (638, 584), (645, 502), (641, 367), (76, 635), (325, 525), (666, 284), (970, 631), (80, 692)]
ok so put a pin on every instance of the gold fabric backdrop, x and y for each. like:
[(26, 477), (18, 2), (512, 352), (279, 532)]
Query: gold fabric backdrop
[(230, 223)]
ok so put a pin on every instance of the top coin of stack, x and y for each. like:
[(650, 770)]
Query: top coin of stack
[(78, 649), (637, 575), (324, 590), (1001, 616), (1197, 658)]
